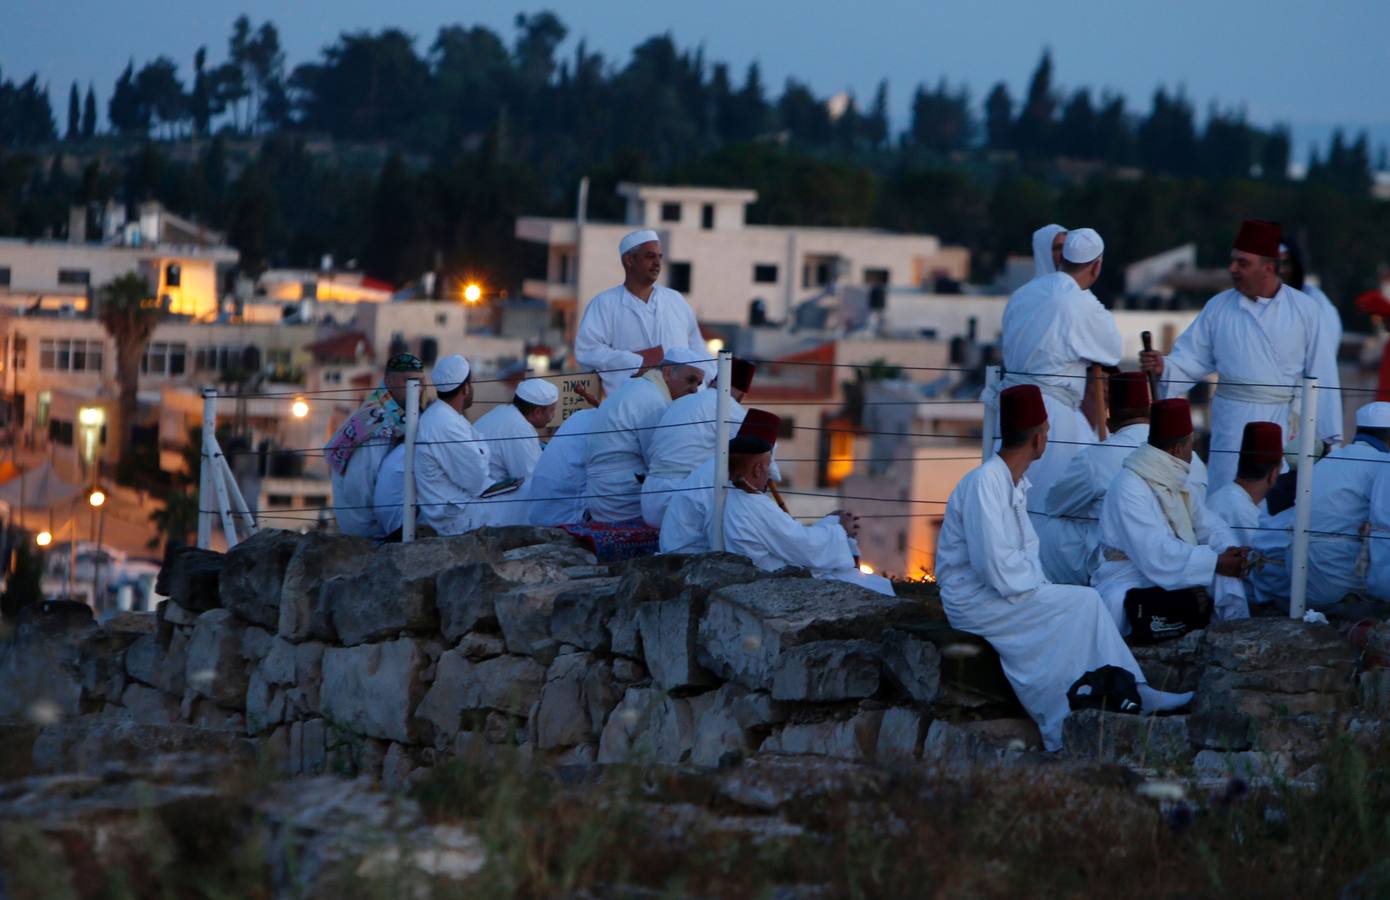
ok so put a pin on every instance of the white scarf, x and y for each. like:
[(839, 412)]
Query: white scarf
[(1167, 476)]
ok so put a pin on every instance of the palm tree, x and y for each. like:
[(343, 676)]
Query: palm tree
[(129, 312)]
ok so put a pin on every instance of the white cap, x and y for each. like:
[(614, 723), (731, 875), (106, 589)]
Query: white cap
[(685, 356), (537, 391), (449, 372), (1374, 415), (636, 239), (1082, 246)]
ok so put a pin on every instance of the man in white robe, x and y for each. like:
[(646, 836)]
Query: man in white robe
[(514, 447), (617, 449), (1069, 533), (686, 438), (992, 584), (1054, 328), (1260, 337), (357, 448), (388, 500), (1154, 534), (555, 493), (625, 329), (451, 457), (1241, 503)]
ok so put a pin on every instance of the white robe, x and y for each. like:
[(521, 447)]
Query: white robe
[(756, 527), (618, 446), (1132, 522), (513, 445), (616, 325), (1052, 331), (1043, 263), (1234, 507), (684, 441), (1378, 571), (451, 471), (354, 488), (1342, 483), (1330, 322), (388, 500), (1272, 342), (685, 526), (555, 491), (1070, 532), (992, 585)]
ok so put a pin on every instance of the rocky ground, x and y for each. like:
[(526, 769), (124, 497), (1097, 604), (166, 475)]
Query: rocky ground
[(499, 715)]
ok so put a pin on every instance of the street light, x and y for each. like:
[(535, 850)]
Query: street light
[(96, 498), (299, 408), (472, 293), (43, 538), (866, 568)]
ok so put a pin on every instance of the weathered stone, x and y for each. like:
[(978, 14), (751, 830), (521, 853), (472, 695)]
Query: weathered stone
[(721, 739), (150, 706), (1171, 665), (255, 644), (202, 713), (500, 728), (277, 667), (524, 614), (758, 710), (913, 664), (852, 738), (317, 558), (1248, 765), (900, 735), (189, 578), (477, 645), (1142, 741), (395, 766), (373, 689), (581, 615), (252, 574), (149, 663), (747, 627), (215, 668), (826, 670), (465, 597), (987, 742), (265, 704), (648, 726), (629, 671), (40, 660), (542, 562), (669, 629), (90, 744), (313, 746), (379, 603), (710, 571), (575, 702), (1373, 688), (641, 581), (175, 614), (510, 684)]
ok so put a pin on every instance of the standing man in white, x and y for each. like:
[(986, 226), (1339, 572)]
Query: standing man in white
[(1054, 329), (625, 329), (1261, 337)]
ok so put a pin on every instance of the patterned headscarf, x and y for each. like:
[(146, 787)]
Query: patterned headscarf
[(380, 418)]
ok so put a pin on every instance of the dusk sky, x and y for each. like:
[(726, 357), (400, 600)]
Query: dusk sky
[(1314, 65)]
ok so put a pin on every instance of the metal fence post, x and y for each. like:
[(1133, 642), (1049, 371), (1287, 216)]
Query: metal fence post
[(412, 423), (206, 469), (1303, 502), (721, 447), (991, 421)]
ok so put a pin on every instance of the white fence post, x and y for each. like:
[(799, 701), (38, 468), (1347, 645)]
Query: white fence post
[(206, 468), (1303, 500), (991, 403), (412, 422), (721, 447)]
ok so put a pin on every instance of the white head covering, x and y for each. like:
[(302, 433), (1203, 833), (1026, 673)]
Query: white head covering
[(1374, 415), (1082, 246), (1042, 248), (537, 391), (449, 372), (685, 356), (636, 239)]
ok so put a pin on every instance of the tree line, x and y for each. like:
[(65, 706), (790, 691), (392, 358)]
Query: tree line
[(436, 148)]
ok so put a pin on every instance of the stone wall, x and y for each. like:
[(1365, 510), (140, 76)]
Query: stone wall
[(329, 654)]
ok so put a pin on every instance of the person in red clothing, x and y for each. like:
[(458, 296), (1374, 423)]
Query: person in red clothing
[(1377, 306)]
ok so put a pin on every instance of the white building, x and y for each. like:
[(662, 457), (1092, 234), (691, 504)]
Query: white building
[(722, 264)]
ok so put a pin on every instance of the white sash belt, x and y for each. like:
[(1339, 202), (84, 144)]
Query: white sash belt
[(1256, 393), (1055, 391)]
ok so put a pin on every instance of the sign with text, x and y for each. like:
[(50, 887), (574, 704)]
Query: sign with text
[(570, 399)]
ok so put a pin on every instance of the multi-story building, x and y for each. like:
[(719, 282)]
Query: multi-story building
[(733, 273)]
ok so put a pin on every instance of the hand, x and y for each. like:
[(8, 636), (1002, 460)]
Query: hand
[(1232, 563), (583, 393), (651, 356), (850, 522), (1151, 361)]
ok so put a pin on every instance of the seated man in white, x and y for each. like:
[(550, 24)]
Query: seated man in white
[(1378, 538), (388, 499), (1241, 503), (451, 458), (757, 528), (685, 526), (514, 447), (1069, 534), (555, 493), (686, 438), (1159, 544), (992, 584), (616, 452)]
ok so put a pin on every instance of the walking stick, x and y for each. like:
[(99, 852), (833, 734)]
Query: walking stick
[(1095, 400), (777, 496), (1148, 338)]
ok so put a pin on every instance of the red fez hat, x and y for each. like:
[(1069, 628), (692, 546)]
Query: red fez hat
[(1021, 408), (1129, 390), (742, 379), (1373, 303), (1258, 237), (1262, 443), (760, 424), (1170, 420)]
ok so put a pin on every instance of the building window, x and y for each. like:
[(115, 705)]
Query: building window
[(765, 273), (60, 432), (877, 276), (173, 275), (818, 271), (4, 276), (64, 355), (281, 500), (164, 358), (680, 277), (707, 217), (21, 351), (670, 212), (564, 268), (74, 276), (441, 319), (332, 376)]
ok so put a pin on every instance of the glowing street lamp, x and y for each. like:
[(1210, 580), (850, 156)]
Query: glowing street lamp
[(472, 293), (299, 408), (866, 568), (43, 538), (714, 345), (96, 498)]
